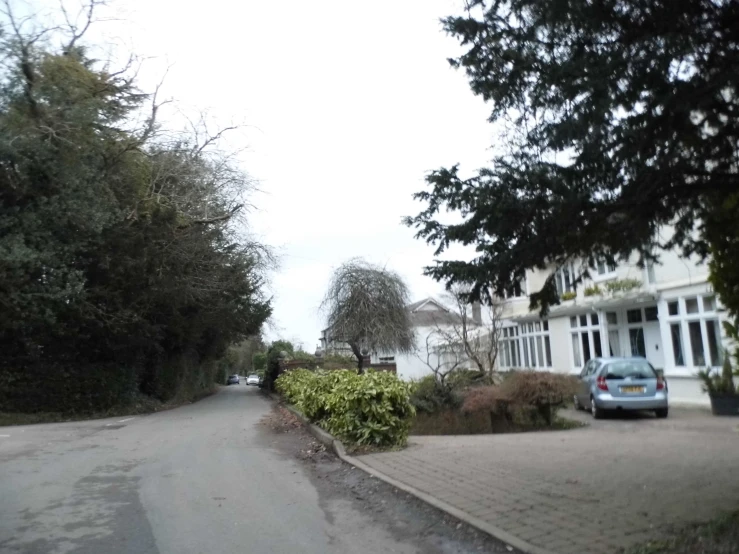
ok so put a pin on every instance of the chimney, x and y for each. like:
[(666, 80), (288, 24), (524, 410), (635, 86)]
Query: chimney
[(477, 313)]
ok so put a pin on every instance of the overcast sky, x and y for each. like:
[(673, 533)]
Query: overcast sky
[(347, 104)]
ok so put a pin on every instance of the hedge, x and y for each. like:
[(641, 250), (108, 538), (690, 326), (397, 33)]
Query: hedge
[(369, 409)]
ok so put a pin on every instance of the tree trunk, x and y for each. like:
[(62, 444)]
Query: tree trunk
[(360, 359)]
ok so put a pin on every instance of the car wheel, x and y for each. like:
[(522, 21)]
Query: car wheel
[(597, 412), (577, 404), (661, 412)]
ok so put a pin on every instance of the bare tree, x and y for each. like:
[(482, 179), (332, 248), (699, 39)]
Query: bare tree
[(365, 306), (477, 334), (441, 356)]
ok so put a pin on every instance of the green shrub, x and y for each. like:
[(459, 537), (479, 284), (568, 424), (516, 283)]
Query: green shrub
[(593, 291), (568, 296), (373, 409), (622, 285), (430, 396), (259, 361), (719, 383), (369, 409)]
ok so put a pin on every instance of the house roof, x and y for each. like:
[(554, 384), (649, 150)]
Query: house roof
[(429, 312)]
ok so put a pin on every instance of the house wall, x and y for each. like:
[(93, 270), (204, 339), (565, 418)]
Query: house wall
[(559, 335), (674, 281)]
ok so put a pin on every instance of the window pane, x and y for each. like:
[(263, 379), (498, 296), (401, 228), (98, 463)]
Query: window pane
[(573, 321), (585, 346), (677, 344), (636, 340), (597, 345), (539, 351), (709, 303), (612, 318), (673, 308), (696, 343), (650, 314), (714, 342), (518, 354), (614, 344), (594, 319), (576, 350), (537, 326), (601, 268), (633, 316), (548, 351), (568, 279), (691, 305), (546, 325), (506, 355), (531, 327), (583, 321), (532, 348)]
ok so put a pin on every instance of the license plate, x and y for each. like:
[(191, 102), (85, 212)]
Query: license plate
[(632, 389)]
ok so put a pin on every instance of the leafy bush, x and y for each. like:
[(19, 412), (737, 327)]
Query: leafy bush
[(622, 285), (544, 392), (719, 383), (259, 361), (373, 408), (369, 409), (593, 291), (568, 296), (430, 396), (461, 379)]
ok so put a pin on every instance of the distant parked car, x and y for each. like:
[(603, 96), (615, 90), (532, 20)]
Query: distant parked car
[(233, 380), (253, 379), (621, 384)]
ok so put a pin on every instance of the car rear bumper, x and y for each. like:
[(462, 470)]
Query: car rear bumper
[(607, 401)]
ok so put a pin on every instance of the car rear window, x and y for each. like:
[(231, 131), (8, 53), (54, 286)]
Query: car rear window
[(634, 370)]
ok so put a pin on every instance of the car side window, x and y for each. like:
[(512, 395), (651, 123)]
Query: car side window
[(586, 369), (595, 368)]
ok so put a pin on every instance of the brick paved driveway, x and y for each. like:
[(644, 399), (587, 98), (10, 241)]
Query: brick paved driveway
[(590, 490)]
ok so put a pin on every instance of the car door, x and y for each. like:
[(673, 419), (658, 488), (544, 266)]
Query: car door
[(583, 391)]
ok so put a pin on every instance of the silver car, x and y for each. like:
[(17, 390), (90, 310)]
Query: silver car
[(621, 384)]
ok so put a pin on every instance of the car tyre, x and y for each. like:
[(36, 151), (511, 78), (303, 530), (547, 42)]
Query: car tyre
[(661, 412), (598, 413)]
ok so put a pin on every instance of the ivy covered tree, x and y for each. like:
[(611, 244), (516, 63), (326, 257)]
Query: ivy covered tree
[(617, 117)]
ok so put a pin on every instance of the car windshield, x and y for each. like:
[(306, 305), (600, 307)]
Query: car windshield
[(253, 377), (632, 369)]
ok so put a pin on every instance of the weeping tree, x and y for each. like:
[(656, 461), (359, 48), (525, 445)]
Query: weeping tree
[(365, 306)]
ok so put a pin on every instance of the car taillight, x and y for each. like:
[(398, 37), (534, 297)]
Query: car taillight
[(660, 384), (601, 383)]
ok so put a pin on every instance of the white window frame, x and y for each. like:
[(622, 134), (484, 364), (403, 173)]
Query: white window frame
[(609, 272), (684, 319), (524, 290), (589, 328), (520, 337), (559, 279)]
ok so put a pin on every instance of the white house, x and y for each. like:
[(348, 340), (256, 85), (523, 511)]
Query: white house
[(666, 312), (427, 316)]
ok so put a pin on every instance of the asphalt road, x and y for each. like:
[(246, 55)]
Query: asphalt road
[(198, 479)]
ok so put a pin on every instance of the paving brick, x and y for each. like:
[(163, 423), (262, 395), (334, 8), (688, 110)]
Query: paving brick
[(619, 476)]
